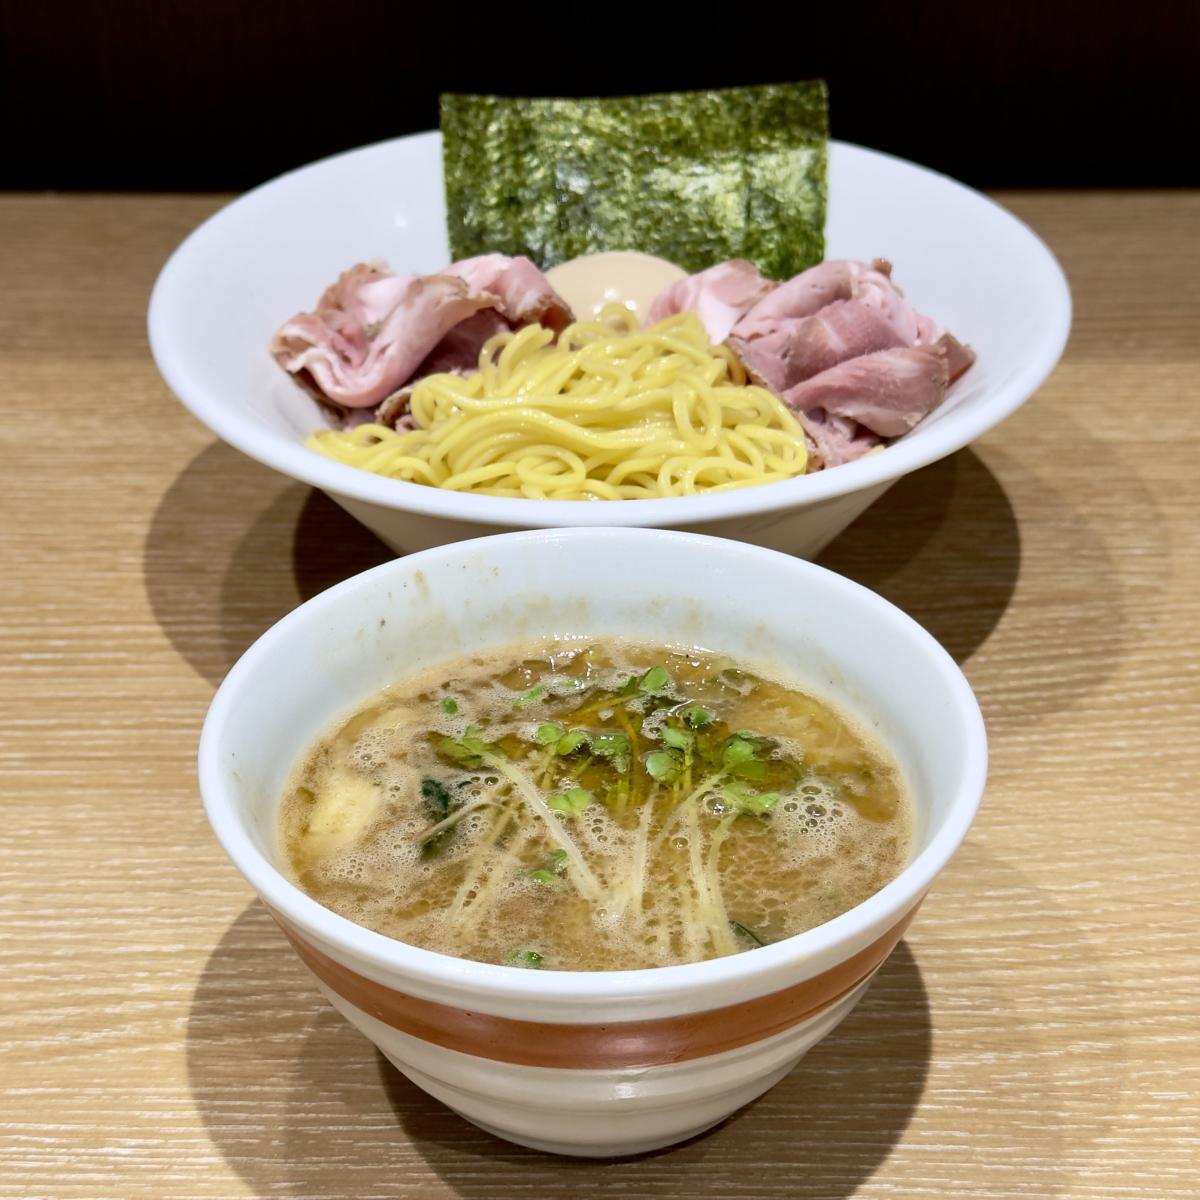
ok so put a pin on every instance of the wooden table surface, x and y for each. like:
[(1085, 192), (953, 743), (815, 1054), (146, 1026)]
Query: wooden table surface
[(1035, 1035)]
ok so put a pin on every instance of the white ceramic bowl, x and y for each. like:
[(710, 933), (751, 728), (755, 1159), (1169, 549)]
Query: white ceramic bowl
[(960, 258), (612, 1062)]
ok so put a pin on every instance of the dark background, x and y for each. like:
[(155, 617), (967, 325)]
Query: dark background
[(139, 94)]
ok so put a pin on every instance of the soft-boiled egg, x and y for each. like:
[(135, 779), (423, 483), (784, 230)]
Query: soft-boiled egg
[(625, 277)]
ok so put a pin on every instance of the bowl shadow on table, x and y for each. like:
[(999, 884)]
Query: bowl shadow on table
[(819, 1133), (268, 544), (1090, 550), (296, 1100), (1027, 1077), (944, 545)]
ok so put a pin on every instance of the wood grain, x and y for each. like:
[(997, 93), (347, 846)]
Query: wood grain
[(1035, 1036)]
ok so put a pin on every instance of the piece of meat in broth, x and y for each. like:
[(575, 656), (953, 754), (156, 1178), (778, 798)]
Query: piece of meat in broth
[(721, 295), (888, 391), (371, 330), (523, 294)]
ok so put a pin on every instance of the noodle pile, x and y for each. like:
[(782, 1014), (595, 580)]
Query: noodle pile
[(609, 411)]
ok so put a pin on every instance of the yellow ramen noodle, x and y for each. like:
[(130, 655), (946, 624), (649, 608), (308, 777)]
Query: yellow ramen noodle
[(609, 412)]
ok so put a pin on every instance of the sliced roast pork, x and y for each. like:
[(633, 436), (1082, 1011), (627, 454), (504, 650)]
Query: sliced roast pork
[(838, 343), (828, 283), (371, 330), (835, 440), (851, 408), (800, 347), (888, 391), (459, 350), (524, 295), (801, 296), (721, 296), (374, 332), (958, 357)]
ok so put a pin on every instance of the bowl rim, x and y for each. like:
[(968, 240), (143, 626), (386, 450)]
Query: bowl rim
[(234, 424), (385, 957)]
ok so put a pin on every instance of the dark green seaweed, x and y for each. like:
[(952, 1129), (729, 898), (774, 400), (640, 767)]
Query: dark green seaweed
[(439, 804), (696, 177)]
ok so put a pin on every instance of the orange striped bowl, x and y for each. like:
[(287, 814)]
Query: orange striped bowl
[(606, 1062)]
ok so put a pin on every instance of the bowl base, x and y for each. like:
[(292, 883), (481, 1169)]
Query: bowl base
[(803, 532), (620, 1133), (617, 1150)]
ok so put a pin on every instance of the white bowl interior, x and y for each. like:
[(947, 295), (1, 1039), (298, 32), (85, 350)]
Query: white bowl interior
[(837, 639), (960, 258)]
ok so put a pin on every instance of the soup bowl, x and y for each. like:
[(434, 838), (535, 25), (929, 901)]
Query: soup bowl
[(974, 268), (593, 1062)]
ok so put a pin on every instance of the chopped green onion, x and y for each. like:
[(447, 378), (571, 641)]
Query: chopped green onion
[(550, 870), (530, 959), (737, 751), (663, 766), (468, 750), (760, 743), (746, 800), (570, 803), (654, 681), (571, 741), (753, 769), (677, 739), (449, 705), (613, 746), (743, 754)]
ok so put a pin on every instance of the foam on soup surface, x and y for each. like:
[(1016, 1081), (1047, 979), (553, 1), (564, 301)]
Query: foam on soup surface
[(582, 806)]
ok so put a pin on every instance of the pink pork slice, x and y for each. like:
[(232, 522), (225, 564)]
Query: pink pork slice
[(524, 295), (888, 391), (836, 440), (800, 296), (371, 330), (720, 295), (801, 347), (457, 353)]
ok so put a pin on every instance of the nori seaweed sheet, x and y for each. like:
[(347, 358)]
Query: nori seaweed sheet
[(696, 177)]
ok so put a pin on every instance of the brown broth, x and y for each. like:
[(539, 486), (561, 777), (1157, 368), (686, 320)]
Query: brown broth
[(690, 840)]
